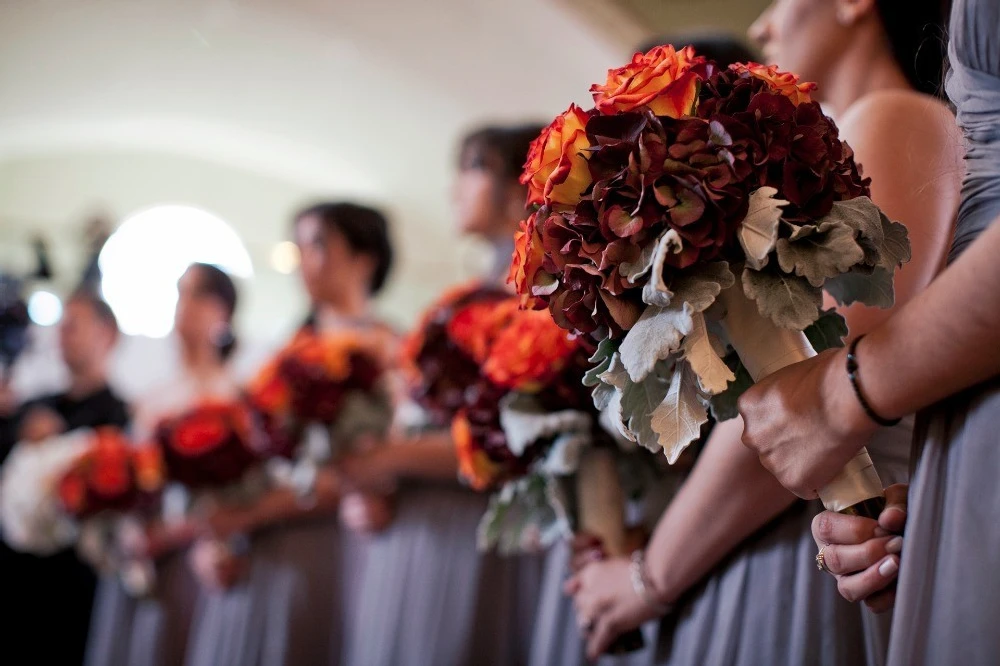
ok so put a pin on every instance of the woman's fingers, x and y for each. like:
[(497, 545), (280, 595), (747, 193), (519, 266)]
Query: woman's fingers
[(893, 517), (848, 559), (875, 578), (829, 527)]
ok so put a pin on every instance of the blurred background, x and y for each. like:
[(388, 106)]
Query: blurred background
[(155, 133)]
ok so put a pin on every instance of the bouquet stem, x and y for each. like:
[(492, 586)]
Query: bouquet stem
[(766, 348), (600, 512)]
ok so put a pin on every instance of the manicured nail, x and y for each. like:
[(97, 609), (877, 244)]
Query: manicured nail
[(894, 545), (888, 568)]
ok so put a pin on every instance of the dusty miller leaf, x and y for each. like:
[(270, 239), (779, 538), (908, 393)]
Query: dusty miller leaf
[(873, 289), (712, 373), (759, 229), (639, 401), (600, 362), (522, 517), (634, 271), (724, 405), (524, 422), (828, 331), (700, 285), (656, 335), (677, 420), (656, 292), (895, 249), (789, 301), (825, 254)]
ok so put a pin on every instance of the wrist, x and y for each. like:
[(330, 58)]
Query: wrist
[(644, 586), (845, 414)]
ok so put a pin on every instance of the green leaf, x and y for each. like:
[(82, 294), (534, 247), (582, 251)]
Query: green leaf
[(603, 395), (759, 229), (830, 251), (895, 249), (724, 404), (600, 362), (828, 331), (522, 517), (638, 402), (789, 301), (656, 335), (874, 289), (635, 271), (677, 420), (525, 422), (713, 374), (700, 285), (655, 292)]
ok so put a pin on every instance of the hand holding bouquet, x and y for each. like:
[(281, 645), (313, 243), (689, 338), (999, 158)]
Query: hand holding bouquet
[(689, 224)]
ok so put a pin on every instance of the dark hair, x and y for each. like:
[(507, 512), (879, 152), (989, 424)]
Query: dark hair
[(365, 229), (97, 305), (916, 31), (721, 48), (216, 283), (501, 150)]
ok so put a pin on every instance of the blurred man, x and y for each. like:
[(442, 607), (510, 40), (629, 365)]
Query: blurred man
[(54, 594)]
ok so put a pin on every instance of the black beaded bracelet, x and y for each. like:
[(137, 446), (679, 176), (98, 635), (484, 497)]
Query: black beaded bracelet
[(852, 374)]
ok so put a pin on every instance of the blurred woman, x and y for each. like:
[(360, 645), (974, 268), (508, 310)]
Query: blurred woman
[(744, 582), (429, 598), (153, 630), (289, 599)]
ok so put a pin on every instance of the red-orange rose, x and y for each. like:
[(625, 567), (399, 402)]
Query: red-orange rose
[(473, 464), (474, 327), (785, 83), (525, 266), (663, 80), (529, 352), (557, 172)]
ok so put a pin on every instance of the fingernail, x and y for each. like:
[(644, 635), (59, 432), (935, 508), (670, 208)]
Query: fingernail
[(888, 568), (894, 545)]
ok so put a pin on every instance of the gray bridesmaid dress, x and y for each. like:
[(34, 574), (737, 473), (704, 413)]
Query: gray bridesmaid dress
[(148, 631), (768, 604), (429, 598), (948, 599)]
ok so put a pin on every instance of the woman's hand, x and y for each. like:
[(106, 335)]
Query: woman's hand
[(226, 521), (864, 554), (366, 512), (371, 469), (805, 423), (216, 566), (606, 603), (41, 423)]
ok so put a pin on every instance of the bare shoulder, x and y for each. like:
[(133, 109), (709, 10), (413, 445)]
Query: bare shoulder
[(888, 115)]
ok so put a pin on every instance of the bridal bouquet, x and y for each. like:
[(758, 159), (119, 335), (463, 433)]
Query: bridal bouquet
[(317, 397), (689, 224), (104, 491)]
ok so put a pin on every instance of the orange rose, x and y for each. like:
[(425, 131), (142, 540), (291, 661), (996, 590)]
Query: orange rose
[(557, 172), (529, 352), (473, 464), (199, 432), (785, 83), (149, 470), (526, 264), (268, 391), (664, 80), (474, 327), (73, 492)]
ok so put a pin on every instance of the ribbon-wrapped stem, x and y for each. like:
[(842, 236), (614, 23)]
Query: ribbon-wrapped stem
[(765, 348)]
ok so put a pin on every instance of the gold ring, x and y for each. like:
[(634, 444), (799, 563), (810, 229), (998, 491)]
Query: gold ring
[(821, 560)]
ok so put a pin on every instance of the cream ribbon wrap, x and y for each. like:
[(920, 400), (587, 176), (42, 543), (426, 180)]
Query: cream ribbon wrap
[(766, 348)]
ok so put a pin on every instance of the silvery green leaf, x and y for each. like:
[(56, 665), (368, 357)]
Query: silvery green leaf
[(655, 292), (524, 422), (599, 362), (521, 518), (712, 372), (635, 271), (874, 289), (612, 422), (616, 375), (895, 249), (825, 254), (602, 395), (798, 232), (724, 404), (759, 229), (638, 402), (363, 413), (677, 420), (563, 457), (789, 301), (655, 336), (700, 285), (862, 215), (828, 331)]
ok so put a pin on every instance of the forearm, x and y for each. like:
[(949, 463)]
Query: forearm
[(727, 497), (282, 505), (429, 456), (943, 341)]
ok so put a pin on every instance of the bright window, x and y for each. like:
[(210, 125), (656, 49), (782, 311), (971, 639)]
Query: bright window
[(145, 257)]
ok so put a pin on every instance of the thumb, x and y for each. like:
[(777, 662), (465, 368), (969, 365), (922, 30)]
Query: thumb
[(893, 517)]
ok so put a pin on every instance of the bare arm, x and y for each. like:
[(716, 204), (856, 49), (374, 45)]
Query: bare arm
[(429, 456)]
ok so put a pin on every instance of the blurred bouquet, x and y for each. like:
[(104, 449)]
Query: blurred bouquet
[(509, 383), (84, 488), (317, 397), (692, 212)]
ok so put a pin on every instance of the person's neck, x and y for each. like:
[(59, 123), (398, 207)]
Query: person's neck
[(862, 71), (501, 251), (87, 382), (346, 312), (202, 361)]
